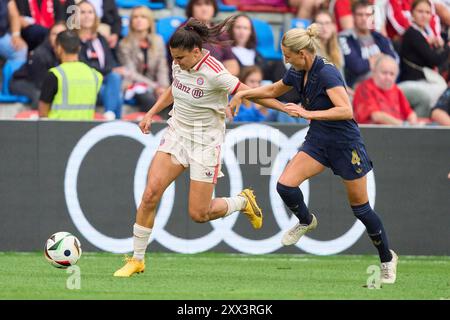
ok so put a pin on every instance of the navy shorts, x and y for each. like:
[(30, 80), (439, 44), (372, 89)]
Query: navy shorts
[(348, 160)]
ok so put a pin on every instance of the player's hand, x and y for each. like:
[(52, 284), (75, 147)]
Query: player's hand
[(295, 110), (145, 124), (235, 104)]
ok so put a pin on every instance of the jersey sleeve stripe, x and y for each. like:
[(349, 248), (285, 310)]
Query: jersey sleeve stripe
[(211, 66), (235, 88), (215, 63), (201, 62)]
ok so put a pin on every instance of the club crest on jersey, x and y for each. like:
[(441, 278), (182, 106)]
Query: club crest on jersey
[(197, 93), (200, 81)]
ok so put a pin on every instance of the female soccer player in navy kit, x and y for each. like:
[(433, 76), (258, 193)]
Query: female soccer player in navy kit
[(333, 140)]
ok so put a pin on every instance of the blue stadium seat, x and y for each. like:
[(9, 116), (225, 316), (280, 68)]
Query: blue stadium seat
[(181, 3), (222, 7), (300, 23), (130, 4), (226, 8), (265, 40), (125, 25), (7, 72), (165, 27)]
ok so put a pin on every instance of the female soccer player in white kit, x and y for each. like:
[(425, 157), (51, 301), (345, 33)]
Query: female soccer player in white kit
[(196, 131)]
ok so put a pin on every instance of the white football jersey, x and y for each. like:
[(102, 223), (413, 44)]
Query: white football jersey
[(200, 98)]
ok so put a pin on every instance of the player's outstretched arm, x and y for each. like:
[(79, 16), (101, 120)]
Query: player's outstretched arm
[(266, 102), (342, 109), (263, 95), (165, 100)]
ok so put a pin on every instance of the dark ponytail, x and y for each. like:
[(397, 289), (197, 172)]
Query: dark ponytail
[(194, 33)]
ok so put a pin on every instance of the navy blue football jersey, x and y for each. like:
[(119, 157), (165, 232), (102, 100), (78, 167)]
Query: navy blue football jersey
[(322, 76)]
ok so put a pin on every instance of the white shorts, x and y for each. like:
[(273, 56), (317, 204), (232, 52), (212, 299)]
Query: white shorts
[(204, 161)]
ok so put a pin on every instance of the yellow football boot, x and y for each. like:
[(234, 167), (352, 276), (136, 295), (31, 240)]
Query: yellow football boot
[(252, 210), (131, 267)]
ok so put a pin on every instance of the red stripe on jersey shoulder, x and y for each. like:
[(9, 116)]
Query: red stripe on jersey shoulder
[(236, 88), (212, 66), (201, 62), (215, 62)]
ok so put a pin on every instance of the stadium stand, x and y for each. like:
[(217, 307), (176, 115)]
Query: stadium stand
[(263, 6), (5, 95), (264, 38), (222, 6), (125, 25), (34, 115), (165, 27), (299, 23), (129, 4)]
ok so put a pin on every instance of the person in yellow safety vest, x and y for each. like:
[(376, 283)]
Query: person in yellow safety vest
[(69, 91)]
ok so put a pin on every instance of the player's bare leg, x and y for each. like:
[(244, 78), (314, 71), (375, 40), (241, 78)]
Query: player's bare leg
[(299, 169), (163, 170), (359, 201), (203, 209), (357, 191)]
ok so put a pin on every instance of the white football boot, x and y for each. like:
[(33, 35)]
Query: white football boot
[(389, 269), (296, 232)]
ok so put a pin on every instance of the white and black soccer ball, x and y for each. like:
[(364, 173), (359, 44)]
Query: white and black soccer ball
[(62, 250)]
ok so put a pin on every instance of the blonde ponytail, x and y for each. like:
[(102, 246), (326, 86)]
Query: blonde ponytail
[(300, 39)]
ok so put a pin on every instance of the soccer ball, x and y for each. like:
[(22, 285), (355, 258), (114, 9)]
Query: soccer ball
[(62, 250)]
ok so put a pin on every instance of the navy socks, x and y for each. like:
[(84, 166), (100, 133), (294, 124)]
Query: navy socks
[(375, 229), (293, 198)]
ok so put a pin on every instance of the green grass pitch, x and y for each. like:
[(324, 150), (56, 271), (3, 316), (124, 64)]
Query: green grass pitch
[(217, 276)]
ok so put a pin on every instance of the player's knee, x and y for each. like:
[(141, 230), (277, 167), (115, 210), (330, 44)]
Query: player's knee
[(287, 181), (281, 181), (199, 215), (356, 199), (283, 189), (151, 196)]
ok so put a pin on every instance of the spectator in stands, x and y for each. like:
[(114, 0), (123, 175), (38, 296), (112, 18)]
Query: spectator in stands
[(342, 10), (12, 46), (441, 111), (250, 111), (110, 22), (399, 19), (96, 53), (37, 17), (307, 8), (329, 44), (243, 36), (142, 52), (27, 81), (362, 46), (205, 11), (420, 52), (443, 11), (378, 100), (70, 90)]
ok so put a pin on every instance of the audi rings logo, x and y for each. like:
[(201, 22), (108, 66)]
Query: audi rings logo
[(222, 228)]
